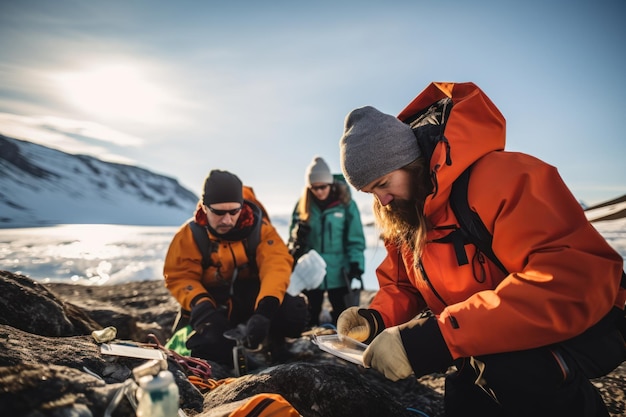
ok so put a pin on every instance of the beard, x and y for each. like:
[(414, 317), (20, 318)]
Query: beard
[(399, 221), (403, 213), (402, 221)]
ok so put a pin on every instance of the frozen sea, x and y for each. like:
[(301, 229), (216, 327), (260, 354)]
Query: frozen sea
[(97, 254)]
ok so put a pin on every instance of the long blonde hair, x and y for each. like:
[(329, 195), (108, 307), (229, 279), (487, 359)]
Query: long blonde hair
[(403, 222), (338, 190)]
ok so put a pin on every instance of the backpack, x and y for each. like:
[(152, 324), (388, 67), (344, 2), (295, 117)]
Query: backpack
[(472, 229), (259, 405), (205, 246)]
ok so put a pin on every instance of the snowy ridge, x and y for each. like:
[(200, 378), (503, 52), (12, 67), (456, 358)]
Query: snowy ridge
[(40, 186)]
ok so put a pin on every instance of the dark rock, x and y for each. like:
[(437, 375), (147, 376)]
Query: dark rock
[(315, 390), (29, 306), (62, 356), (64, 390)]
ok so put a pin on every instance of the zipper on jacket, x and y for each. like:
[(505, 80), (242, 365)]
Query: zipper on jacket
[(235, 271), (430, 285), (323, 223), (453, 322)]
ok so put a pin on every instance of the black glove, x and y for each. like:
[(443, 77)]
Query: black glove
[(257, 329), (354, 272), (425, 346), (209, 322), (258, 326), (298, 241), (201, 312), (302, 231)]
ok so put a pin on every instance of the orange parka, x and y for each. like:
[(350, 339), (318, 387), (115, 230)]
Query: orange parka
[(563, 275), (186, 280)]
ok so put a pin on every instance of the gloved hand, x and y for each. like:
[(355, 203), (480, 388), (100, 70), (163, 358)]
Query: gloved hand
[(354, 272), (302, 231), (258, 326), (209, 324), (203, 313), (386, 354), (360, 324), (257, 329), (418, 344), (298, 241)]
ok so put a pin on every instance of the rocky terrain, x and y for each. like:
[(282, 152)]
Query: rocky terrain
[(50, 365)]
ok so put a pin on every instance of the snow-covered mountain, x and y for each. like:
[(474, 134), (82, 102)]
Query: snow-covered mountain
[(40, 186)]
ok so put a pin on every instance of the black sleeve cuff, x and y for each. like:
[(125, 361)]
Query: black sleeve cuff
[(200, 297), (268, 306), (425, 347), (375, 321)]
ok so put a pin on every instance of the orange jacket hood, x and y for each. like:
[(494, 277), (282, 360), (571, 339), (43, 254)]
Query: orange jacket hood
[(470, 126)]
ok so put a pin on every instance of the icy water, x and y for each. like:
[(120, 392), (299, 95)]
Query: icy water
[(96, 254)]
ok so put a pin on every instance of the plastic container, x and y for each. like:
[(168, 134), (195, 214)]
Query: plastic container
[(308, 273), (157, 396)]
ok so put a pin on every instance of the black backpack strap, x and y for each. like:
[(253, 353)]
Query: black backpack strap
[(472, 227), (201, 237), (254, 238)]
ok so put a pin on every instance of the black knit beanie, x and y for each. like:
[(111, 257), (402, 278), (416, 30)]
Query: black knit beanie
[(222, 187)]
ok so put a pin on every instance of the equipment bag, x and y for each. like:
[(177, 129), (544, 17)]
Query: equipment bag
[(260, 405)]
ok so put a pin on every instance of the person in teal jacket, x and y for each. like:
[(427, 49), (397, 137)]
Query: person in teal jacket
[(327, 220)]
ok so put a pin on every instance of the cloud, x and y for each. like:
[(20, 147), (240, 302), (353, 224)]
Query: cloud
[(68, 135)]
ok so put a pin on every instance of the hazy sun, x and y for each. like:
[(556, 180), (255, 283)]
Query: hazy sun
[(116, 91)]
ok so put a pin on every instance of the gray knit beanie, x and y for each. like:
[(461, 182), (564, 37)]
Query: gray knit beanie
[(318, 171), (222, 187), (373, 145)]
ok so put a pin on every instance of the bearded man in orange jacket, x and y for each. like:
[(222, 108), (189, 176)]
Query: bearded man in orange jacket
[(233, 290), (524, 340)]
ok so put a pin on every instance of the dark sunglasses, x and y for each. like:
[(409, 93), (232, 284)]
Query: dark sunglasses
[(218, 212), (319, 187)]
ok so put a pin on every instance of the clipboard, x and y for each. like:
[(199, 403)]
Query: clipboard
[(343, 347)]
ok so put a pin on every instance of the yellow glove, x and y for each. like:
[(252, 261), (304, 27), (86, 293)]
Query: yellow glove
[(353, 325), (386, 354), (360, 324)]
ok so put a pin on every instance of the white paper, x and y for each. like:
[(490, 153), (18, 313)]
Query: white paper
[(131, 351)]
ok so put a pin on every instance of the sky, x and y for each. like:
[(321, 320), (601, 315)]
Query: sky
[(260, 88)]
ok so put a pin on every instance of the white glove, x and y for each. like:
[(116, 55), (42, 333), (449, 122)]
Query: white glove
[(386, 354), (351, 324)]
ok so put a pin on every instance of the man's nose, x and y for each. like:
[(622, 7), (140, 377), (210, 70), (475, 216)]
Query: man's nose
[(384, 199), (227, 219)]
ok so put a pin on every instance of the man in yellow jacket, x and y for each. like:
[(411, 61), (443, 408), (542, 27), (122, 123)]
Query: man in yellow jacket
[(232, 289), (524, 338)]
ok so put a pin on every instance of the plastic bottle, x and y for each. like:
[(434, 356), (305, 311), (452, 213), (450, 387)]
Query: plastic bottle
[(157, 396)]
